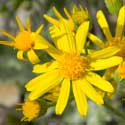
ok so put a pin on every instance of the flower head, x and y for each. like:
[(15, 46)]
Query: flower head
[(24, 41), (79, 14), (30, 110), (72, 65), (72, 69), (111, 40), (118, 39)]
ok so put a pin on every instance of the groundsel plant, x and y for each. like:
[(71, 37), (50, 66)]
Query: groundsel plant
[(74, 71)]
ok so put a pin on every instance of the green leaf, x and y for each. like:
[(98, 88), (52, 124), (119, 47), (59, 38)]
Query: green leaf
[(113, 6)]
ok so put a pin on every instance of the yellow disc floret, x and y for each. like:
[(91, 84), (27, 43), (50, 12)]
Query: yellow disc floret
[(72, 66), (31, 110), (23, 41)]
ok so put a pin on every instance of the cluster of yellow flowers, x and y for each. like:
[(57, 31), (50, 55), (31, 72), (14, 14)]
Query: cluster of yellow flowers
[(71, 73)]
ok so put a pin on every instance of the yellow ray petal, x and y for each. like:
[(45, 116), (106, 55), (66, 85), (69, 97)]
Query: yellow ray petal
[(7, 43), (7, 34), (89, 51), (39, 41), (51, 98), (106, 63), (105, 53), (45, 85), (56, 32), (89, 91), (80, 99), (120, 22), (39, 29), (41, 68), (57, 13), (103, 24), (74, 9), (96, 40), (69, 38), (51, 20), (56, 35), (99, 82), (63, 37), (33, 58), (32, 84), (39, 92), (41, 79), (67, 13), (19, 24), (42, 43), (53, 52), (81, 36), (20, 55), (63, 96), (28, 25)]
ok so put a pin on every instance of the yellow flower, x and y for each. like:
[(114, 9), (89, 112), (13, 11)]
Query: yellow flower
[(79, 14), (118, 39), (24, 41), (30, 110), (72, 69), (111, 40)]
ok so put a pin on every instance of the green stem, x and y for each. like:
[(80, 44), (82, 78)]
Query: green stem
[(114, 110)]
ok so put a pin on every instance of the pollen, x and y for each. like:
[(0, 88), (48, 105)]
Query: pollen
[(72, 66), (23, 41), (31, 110)]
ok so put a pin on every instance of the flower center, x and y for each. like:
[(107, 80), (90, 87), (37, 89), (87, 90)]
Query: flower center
[(117, 41), (24, 41), (31, 110), (72, 66)]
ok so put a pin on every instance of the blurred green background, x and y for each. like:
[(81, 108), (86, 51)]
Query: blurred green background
[(14, 73)]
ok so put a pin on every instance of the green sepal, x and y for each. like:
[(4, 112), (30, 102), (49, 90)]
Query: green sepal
[(44, 107)]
